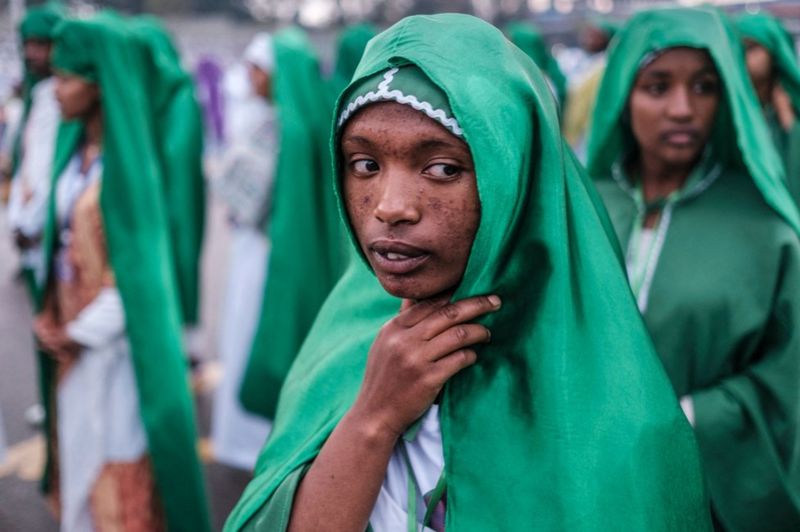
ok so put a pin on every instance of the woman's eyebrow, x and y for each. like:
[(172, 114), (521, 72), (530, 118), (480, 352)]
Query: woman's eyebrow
[(357, 139), (436, 144)]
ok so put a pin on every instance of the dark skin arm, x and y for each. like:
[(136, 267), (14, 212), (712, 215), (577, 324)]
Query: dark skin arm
[(412, 358)]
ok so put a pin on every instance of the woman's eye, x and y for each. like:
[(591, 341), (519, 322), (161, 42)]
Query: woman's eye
[(443, 170), (706, 87), (656, 89), (365, 166)]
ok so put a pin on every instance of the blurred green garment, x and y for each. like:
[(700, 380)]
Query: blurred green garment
[(531, 41), (770, 33), (567, 421), (180, 131), (307, 254), (134, 209), (720, 290), (350, 47)]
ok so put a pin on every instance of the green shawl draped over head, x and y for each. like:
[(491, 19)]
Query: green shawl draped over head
[(307, 253), (531, 41), (740, 138), (136, 223), (180, 131), (38, 23), (350, 47), (772, 35), (567, 421)]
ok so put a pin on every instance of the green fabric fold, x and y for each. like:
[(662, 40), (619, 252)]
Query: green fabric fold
[(307, 249), (136, 222), (567, 421), (531, 41)]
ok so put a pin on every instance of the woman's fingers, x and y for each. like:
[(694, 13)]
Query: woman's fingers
[(447, 366), (446, 316), (456, 337), (411, 313)]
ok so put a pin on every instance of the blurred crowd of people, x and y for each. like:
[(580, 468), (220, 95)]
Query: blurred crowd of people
[(471, 283)]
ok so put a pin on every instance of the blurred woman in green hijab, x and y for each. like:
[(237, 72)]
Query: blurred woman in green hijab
[(121, 421), (350, 46), (683, 160), (403, 411), (775, 73)]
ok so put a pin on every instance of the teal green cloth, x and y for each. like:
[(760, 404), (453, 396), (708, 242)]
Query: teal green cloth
[(350, 47), (40, 22), (180, 131), (307, 246), (722, 302), (567, 421), (770, 33), (136, 222), (531, 41)]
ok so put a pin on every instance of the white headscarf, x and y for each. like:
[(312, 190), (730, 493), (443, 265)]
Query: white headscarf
[(260, 52)]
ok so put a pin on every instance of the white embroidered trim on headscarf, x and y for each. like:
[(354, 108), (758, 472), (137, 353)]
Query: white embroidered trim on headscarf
[(385, 94), (260, 52)]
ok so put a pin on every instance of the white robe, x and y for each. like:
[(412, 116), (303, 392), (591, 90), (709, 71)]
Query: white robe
[(97, 401), (30, 188)]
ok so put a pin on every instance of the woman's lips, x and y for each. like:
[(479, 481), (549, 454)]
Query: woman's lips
[(395, 257), (681, 137)]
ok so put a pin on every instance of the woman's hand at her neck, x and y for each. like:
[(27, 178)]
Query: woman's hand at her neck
[(411, 359)]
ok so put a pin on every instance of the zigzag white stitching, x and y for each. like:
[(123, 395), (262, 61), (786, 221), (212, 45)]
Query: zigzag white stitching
[(383, 94)]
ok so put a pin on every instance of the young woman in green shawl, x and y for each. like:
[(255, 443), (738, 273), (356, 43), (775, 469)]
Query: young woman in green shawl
[(482, 366), (695, 189), (775, 73), (121, 423)]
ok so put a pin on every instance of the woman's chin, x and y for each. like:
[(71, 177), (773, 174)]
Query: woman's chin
[(414, 289)]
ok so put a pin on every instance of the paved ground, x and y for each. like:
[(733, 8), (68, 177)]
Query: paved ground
[(21, 506)]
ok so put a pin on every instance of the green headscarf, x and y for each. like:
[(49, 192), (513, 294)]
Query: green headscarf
[(740, 138), (771, 34), (307, 253), (350, 47), (567, 421), (40, 22), (180, 132), (531, 41), (136, 223)]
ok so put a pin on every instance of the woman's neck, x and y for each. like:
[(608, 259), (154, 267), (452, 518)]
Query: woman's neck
[(93, 128), (659, 179)]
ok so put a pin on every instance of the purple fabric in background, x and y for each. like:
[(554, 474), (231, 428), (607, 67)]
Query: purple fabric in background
[(208, 75)]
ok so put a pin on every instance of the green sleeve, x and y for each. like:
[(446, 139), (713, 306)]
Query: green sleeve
[(747, 425), (273, 516)]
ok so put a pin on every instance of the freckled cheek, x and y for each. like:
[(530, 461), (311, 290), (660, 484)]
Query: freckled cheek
[(359, 203), (457, 222)]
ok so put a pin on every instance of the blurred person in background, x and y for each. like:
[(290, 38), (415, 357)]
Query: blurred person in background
[(585, 70), (775, 73), (245, 184), (306, 238), (121, 430), (684, 162), (34, 142)]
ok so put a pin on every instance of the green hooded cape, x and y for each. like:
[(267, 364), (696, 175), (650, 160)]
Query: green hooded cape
[(567, 421), (724, 289), (770, 33), (350, 47), (180, 133), (531, 41), (307, 244), (135, 219)]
